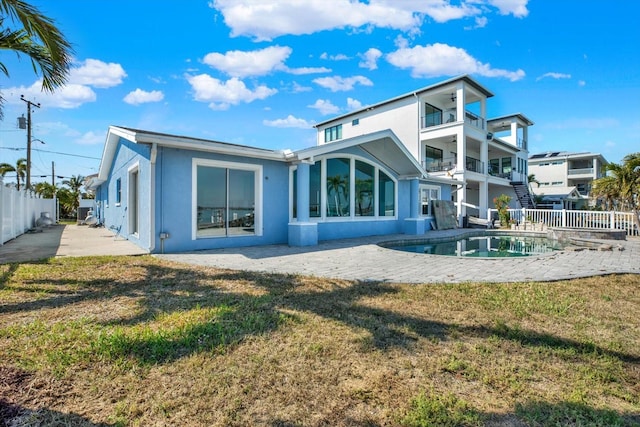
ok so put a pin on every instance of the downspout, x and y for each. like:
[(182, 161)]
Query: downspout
[(152, 197)]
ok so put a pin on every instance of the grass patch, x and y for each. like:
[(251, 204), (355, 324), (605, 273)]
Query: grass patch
[(440, 410), (140, 341)]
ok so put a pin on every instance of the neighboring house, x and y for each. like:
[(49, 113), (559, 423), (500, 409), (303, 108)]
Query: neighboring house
[(565, 178), (444, 126), (170, 193)]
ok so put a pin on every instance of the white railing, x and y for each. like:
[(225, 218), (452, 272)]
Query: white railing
[(600, 220), (583, 171), (19, 211)]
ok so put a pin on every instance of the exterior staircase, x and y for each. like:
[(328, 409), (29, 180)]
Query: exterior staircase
[(523, 194)]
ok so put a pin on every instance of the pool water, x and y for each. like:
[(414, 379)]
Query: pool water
[(484, 246)]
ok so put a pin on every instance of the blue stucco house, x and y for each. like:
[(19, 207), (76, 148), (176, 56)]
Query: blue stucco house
[(169, 193)]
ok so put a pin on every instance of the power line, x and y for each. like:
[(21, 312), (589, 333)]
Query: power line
[(53, 152)]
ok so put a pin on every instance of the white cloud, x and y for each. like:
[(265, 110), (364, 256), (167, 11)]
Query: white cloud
[(481, 22), (582, 83), (517, 8), (265, 20), (338, 57), (307, 70), (289, 122), (554, 76), (370, 59), (140, 96), (353, 104), (91, 138), (69, 96), (337, 83), (96, 73), (221, 95), (443, 60), (238, 63), (297, 88), (325, 107)]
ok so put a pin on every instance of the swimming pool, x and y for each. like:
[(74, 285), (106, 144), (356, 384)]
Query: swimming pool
[(483, 246)]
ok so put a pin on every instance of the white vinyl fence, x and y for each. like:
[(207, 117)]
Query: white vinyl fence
[(601, 220), (19, 211)]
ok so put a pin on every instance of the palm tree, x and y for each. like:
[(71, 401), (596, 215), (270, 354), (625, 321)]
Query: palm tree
[(37, 37), (45, 189), (623, 184), (20, 170), (75, 183), (606, 188), (336, 185)]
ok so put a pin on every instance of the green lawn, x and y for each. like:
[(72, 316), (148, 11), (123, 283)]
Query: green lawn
[(144, 342)]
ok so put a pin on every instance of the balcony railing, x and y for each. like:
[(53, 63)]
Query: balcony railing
[(474, 120), (439, 165), (522, 143), (474, 165), (583, 171), (451, 117), (505, 175)]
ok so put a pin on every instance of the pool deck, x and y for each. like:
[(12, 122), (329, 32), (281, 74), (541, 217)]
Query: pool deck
[(363, 259), (352, 259)]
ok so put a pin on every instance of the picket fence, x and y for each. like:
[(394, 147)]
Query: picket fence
[(600, 220), (19, 211)]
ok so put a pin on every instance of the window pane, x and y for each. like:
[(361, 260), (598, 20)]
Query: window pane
[(314, 190), (211, 201), (433, 159), (506, 165), (364, 189), (241, 202), (386, 196), (338, 187), (432, 116)]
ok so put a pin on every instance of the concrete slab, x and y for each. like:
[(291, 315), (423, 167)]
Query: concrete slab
[(351, 259), (363, 259), (66, 241)]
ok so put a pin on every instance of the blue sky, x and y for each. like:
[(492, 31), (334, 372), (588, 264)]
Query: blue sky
[(261, 73)]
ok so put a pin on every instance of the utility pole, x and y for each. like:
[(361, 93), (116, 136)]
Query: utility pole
[(29, 105)]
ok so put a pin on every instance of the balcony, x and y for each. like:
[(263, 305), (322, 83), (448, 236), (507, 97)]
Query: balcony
[(474, 165), (445, 165), (439, 165), (432, 120), (581, 171), (474, 120)]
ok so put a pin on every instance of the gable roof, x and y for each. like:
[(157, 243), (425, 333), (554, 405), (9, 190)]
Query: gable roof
[(139, 136), (384, 146)]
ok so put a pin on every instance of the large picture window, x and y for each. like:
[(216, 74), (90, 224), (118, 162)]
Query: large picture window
[(338, 187), (226, 199), (348, 188)]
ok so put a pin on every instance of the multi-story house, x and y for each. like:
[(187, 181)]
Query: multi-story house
[(565, 178), (445, 127)]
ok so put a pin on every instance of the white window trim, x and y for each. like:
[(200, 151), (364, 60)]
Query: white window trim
[(258, 171), (118, 197), (323, 190), (135, 168), (428, 187)]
